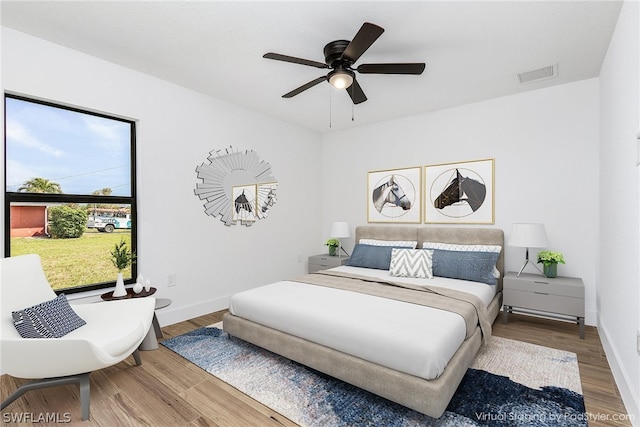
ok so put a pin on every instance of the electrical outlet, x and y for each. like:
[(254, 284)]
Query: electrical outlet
[(171, 280)]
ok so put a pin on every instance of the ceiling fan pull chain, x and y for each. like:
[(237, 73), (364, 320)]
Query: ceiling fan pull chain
[(353, 106), (330, 108)]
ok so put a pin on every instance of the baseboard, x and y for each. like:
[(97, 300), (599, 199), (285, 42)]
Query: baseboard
[(630, 398), (167, 316)]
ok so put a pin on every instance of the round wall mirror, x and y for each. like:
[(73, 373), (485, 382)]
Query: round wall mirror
[(237, 186)]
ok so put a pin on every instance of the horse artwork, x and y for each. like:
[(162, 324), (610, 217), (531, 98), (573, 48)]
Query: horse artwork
[(393, 195), (269, 201), (266, 199), (390, 194), (462, 189), (242, 203), (460, 192)]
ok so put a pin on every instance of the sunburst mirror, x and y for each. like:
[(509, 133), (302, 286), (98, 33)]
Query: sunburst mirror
[(238, 187)]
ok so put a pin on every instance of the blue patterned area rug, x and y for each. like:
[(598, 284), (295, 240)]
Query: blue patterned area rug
[(510, 383)]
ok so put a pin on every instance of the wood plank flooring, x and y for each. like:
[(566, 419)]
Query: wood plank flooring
[(169, 391)]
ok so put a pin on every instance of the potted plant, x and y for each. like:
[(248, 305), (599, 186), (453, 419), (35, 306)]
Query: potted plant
[(121, 257), (550, 261), (333, 244)]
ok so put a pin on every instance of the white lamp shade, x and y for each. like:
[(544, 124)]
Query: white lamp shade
[(340, 230), (528, 236)]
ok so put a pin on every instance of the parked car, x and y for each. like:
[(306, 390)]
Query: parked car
[(106, 224)]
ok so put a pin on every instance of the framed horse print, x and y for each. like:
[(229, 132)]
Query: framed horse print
[(244, 203), (266, 198), (460, 193), (394, 195)]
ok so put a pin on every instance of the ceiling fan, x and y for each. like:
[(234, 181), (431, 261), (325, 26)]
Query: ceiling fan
[(340, 55)]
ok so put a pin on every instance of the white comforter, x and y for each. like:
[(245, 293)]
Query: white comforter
[(406, 337)]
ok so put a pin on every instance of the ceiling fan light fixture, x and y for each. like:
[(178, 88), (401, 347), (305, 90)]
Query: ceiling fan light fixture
[(341, 79)]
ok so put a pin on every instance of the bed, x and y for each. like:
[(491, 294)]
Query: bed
[(385, 318)]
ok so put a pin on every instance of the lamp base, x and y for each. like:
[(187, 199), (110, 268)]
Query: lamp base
[(525, 264), (340, 250)]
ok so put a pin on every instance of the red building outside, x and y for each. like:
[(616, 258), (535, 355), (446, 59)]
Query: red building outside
[(28, 220)]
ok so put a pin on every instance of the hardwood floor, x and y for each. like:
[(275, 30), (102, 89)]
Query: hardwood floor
[(169, 391)]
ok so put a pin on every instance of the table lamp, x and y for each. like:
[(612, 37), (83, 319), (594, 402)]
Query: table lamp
[(340, 230), (528, 236)]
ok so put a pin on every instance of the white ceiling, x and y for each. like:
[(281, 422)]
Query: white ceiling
[(473, 49)]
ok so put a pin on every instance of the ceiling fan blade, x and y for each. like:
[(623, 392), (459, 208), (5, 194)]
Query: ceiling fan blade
[(293, 59), (304, 87), (405, 68), (365, 37), (356, 93)]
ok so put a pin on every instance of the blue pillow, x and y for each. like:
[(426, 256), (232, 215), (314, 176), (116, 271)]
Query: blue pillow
[(465, 265), (49, 319), (370, 256)]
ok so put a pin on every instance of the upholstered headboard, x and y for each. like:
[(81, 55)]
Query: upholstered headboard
[(459, 235)]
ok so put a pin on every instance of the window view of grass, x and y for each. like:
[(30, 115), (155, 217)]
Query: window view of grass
[(72, 263)]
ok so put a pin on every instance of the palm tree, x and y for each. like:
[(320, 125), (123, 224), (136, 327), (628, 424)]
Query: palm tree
[(103, 192), (40, 185)]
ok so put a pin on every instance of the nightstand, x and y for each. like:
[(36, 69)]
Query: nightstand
[(322, 262), (560, 297)]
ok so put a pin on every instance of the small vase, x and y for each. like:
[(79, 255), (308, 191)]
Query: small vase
[(147, 285), (137, 287), (120, 290), (332, 250), (550, 270)]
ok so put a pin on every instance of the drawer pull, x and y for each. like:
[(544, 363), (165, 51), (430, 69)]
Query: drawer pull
[(544, 283), (541, 293)]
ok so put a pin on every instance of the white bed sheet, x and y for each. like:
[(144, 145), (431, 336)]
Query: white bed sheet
[(406, 337)]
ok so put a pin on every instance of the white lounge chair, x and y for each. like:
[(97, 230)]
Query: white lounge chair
[(113, 331)]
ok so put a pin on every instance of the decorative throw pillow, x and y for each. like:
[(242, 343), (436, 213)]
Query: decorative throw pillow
[(466, 248), (369, 256), (50, 319), (465, 265), (411, 263), (396, 243)]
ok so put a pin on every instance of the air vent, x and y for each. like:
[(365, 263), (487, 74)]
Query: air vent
[(543, 73)]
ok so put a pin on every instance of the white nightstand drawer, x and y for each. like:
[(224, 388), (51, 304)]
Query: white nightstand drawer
[(545, 302), (560, 296), (323, 262), (563, 286)]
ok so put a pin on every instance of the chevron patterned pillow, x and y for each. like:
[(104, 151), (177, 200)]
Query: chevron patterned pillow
[(411, 263), (49, 319)]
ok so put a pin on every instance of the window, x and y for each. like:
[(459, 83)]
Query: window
[(70, 191)]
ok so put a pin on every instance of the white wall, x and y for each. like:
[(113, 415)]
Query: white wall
[(545, 145), (177, 128), (619, 274)]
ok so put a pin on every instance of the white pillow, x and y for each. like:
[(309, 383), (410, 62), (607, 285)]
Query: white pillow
[(398, 243), (465, 248), (411, 263)]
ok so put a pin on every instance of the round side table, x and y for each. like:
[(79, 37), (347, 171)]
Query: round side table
[(150, 342)]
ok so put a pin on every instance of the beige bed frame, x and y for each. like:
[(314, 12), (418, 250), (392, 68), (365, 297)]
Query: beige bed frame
[(428, 397)]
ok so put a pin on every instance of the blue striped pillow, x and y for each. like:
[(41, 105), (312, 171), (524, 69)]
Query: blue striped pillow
[(370, 256), (465, 265)]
